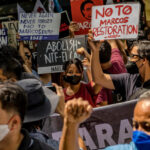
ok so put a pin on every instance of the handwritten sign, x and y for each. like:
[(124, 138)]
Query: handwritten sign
[(53, 54), (3, 37), (81, 13), (115, 21), (39, 26), (12, 29)]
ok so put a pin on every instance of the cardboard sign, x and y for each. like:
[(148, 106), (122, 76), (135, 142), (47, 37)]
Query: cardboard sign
[(39, 26), (115, 21), (3, 37), (108, 125), (12, 29), (81, 13), (53, 54), (64, 26)]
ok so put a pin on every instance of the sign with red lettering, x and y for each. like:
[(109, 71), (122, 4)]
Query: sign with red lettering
[(115, 21), (81, 13)]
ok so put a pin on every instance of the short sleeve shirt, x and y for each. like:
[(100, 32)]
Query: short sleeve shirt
[(126, 84), (85, 91)]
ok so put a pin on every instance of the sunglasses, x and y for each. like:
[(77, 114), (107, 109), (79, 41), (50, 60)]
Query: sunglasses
[(145, 125)]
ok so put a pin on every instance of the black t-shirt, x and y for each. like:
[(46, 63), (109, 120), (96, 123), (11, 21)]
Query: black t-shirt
[(126, 84), (29, 143)]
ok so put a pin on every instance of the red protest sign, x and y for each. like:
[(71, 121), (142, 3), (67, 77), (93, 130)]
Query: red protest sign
[(115, 21), (81, 13)]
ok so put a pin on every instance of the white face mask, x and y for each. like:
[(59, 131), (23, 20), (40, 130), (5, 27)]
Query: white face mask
[(4, 130)]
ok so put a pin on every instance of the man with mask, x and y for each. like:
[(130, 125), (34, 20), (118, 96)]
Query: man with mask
[(126, 84), (141, 126), (13, 102)]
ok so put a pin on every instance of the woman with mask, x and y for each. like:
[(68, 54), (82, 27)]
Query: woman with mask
[(73, 75)]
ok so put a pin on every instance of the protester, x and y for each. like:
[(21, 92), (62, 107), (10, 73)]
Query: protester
[(76, 111), (73, 75), (122, 82), (13, 102), (141, 125), (41, 103)]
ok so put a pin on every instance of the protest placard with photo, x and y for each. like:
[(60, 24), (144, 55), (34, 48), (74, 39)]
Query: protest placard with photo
[(119, 21), (53, 54), (81, 13), (39, 26), (3, 37)]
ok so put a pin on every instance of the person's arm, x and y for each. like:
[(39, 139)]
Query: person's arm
[(72, 28), (97, 73), (76, 111), (61, 105), (82, 51)]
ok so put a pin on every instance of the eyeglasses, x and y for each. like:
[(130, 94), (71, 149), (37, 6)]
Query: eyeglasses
[(28, 56), (135, 56), (145, 125)]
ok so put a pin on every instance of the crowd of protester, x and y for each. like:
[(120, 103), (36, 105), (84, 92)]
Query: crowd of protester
[(111, 71)]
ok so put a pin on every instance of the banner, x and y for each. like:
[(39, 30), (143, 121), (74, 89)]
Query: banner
[(115, 21), (3, 37), (12, 29), (53, 54), (81, 13), (108, 125), (39, 26), (64, 26)]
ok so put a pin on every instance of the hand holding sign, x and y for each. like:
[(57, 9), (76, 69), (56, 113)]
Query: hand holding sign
[(94, 45)]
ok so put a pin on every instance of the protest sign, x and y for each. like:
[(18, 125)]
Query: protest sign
[(53, 54), (3, 37), (81, 13), (115, 21), (39, 26), (12, 29), (64, 25), (109, 125)]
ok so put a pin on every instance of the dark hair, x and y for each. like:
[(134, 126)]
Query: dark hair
[(105, 52), (34, 59), (32, 126), (83, 5), (10, 67), (10, 51), (75, 61), (144, 49), (13, 98)]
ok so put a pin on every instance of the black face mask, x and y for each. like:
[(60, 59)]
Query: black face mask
[(132, 67), (72, 79)]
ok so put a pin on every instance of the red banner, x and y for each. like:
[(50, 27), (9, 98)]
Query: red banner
[(82, 12)]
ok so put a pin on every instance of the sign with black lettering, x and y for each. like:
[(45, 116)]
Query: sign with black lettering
[(3, 37), (39, 26), (53, 54), (12, 29), (64, 25), (109, 125)]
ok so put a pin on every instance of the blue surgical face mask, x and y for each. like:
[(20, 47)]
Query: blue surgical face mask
[(141, 140)]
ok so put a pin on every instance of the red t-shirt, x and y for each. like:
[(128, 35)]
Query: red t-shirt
[(85, 91), (117, 67)]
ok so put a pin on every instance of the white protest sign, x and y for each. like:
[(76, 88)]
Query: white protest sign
[(115, 21), (39, 26), (3, 37)]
